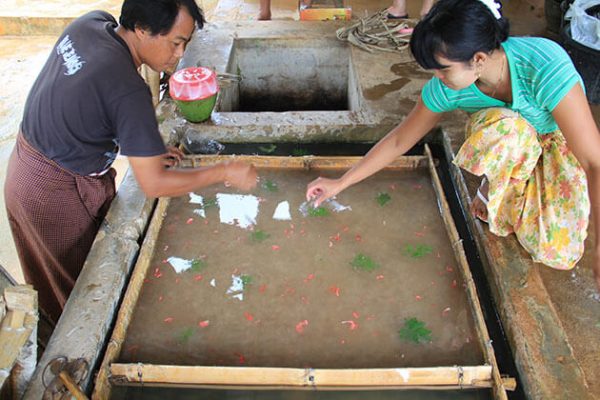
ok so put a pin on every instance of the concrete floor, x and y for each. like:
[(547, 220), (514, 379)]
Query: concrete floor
[(535, 302)]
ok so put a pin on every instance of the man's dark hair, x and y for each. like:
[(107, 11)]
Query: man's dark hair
[(157, 16), (456, 30)]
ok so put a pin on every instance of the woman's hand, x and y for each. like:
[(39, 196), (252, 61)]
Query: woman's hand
[(322, 189), (240, 175)]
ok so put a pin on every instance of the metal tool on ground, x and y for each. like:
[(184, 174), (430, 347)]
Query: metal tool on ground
[(61, 378)]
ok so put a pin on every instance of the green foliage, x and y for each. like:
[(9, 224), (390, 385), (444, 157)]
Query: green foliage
[(270, 186), (417, 251), (415, 331), (268, 149), (383, 198), (299, 152), (246, 280), (209, 203), (364, 263), (198, 265), (185, 335), (318, 211), (259, 236)]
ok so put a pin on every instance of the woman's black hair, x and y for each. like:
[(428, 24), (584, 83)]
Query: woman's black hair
[(157, 16), (456, 30)]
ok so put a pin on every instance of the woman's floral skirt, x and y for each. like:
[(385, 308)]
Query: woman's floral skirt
[(537, 189)]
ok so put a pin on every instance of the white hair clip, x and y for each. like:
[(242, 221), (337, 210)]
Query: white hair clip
[(494, 7)]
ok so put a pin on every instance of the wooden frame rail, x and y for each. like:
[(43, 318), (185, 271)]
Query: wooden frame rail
[(348, 379)]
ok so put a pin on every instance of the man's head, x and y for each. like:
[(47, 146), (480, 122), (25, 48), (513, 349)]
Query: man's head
[(157, 16), (162, 29)]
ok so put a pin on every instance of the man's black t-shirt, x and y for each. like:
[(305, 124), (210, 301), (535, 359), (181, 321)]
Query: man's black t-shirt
[(89, 100)]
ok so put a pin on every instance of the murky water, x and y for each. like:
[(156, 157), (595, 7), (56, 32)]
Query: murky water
[(330, 291)]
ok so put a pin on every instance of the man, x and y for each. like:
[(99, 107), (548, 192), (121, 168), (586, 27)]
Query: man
[(88, 103)]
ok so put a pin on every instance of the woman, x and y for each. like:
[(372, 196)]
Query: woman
[(531, 137)]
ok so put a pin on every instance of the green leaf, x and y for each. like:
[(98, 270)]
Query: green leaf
[(318, 211), (270, 186), (185, 335), (364, 263), (246, 280), (383, 198), (415, 331), (198, 265), (417, 251), (268, 149), (299, 152), (259, 236), (209, 203)]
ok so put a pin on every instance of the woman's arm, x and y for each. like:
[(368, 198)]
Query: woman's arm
[(575, 120), (397, 142)]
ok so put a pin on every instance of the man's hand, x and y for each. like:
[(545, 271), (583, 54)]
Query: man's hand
[(240, 175)]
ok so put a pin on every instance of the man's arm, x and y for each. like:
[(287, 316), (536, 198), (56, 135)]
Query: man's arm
[(156, 180)]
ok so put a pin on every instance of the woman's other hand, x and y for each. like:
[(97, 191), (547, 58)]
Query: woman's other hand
[(322, 189)]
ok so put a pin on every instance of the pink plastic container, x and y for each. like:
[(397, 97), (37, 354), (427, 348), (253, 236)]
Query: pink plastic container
[(195, 91)]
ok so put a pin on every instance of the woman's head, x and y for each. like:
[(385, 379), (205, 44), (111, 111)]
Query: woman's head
[(455, 30)]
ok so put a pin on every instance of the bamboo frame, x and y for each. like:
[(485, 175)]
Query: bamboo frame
[(483, 376), (457, 377), (306, 162)]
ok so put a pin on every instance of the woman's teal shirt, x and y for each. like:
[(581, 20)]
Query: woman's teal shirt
[(541, 75)]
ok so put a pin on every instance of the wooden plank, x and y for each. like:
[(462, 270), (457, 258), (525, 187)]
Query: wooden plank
[(483, 335), (21, 300), (306, 162), (349, 379), (102, 387), (12, 339), (21, 297)]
